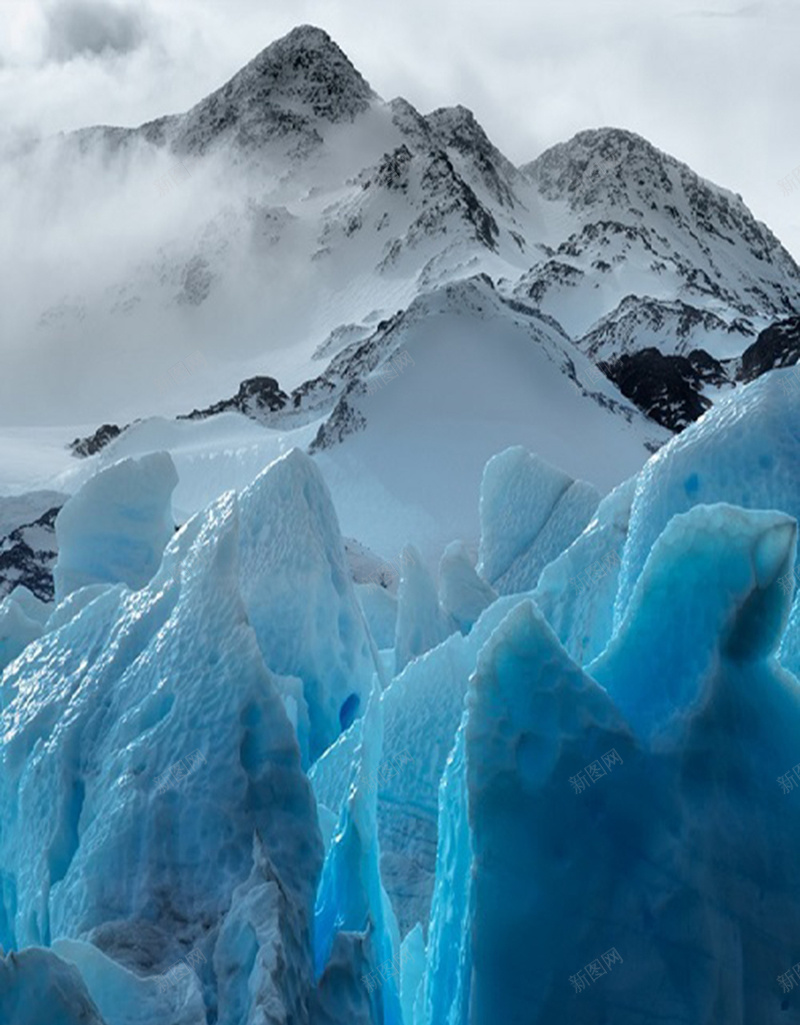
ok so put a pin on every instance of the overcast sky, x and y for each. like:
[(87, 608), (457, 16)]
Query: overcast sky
[(712, 82)]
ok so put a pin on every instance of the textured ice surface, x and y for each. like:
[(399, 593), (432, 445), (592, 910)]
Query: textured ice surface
[(20, 623), (379, 606), (99, 843), (421, 623), (507, 818), (463, 595), (38, 988), (745, 451), (496, 814), (611, 865), (443, 993), (590, 837), (422, 709), (124, 998), (351, 897), (576, 591), (530, 512), (116, 526), (299, 595), (709, 591), (261, 959)]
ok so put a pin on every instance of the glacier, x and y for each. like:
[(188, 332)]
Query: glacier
[(553, 785)]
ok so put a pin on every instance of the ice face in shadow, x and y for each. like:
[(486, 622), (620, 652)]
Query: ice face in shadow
[(533, 719), (576, 591), (125, 998), (422, 709), (421, 623), (351, 898), (36, 987), (610, 859), (463, 595)]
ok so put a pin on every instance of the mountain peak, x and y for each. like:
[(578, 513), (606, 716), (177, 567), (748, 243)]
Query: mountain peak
[(307, 37), (305, 69), (604, 159), (289, 90)]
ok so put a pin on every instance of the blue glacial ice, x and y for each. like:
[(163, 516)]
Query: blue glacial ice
[(463, 594), (21, 621), (530, 512), (745, 451), (421, 622), (610, 855), (572, 802), (38, 988), (576, 590), (115, 528)]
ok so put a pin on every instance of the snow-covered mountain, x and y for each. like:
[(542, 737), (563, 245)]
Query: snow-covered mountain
[(293, 210), (309, 235), (636, 222)]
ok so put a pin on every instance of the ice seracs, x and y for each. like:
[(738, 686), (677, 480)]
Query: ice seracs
[(530, 512), (576, 591), (709, 593), (351, 897), (21, 621), (185, 752), (463, 595), (532, 785), (743, 452), (532, 720), (421, 622), (300, 597)]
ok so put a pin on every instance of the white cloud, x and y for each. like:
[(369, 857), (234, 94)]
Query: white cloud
[(92, 28)]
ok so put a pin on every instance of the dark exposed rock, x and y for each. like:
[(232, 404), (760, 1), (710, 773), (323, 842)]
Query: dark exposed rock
[(667, 388), (28, 555), (257, 397), (83, 447), (776, 346), (343, 421)]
